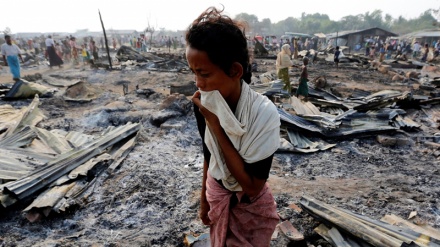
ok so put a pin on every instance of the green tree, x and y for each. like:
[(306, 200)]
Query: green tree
[(251, 21), (374, 19), (351, 22), (266, 26)]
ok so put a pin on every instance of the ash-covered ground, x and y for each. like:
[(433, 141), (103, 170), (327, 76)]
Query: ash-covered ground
[(153, 197)]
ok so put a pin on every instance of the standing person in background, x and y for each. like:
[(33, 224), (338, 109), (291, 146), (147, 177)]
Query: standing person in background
[(295, 48), (67, 50), (388, 50), (372, 52), (303, 88), (282, 65), (94, 50), (416, 49), (30, 44), (367, 48), (240, 132), (169, 44), (382, 53), (182, 41), (11, 53), (425, 52), (138, 44), (336, 57), (281, 43), (59, 49), (85, 54), (54, 59), (74, 48), (114, 44), (36, 45), (175, 43), (398, 50)]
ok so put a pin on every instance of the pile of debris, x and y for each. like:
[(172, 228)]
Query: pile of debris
[(341, 227), (54, 169), (327, 116), (129, 57)]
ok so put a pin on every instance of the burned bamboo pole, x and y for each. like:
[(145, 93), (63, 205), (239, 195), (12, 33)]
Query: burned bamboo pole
[(106, 42)]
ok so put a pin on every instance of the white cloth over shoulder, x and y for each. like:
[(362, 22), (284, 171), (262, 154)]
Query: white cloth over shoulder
[(254, 131)]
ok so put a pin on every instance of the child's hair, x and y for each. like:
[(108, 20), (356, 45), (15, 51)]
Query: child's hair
[(337, 47), (222, 39)]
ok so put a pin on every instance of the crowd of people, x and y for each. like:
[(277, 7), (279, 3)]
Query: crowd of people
[(69, 49), (401, 49), (396, 49)]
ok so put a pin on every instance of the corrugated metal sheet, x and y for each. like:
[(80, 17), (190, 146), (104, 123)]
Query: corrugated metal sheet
[(28, 116), (63, 164), (302, 144), (346, 33), (424, 33), (33, 159)]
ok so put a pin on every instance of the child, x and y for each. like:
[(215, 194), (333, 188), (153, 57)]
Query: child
[(336, 58), (85, 54), (236, 201), (303, 88)]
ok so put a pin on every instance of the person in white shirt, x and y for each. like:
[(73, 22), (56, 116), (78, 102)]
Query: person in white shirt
[(11, 53), (416, 49), (54, 58)]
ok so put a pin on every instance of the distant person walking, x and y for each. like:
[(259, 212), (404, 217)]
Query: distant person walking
[(282, 65), (11, 53), (54, 59)]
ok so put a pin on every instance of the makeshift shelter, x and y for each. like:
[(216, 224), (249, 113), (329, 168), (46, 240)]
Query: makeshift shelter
[(352, 38), (424, 36)]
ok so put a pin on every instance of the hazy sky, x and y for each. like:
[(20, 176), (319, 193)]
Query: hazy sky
[(69, 16)]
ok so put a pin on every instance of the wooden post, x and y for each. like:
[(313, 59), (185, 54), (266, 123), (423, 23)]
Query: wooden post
[(106, 42)]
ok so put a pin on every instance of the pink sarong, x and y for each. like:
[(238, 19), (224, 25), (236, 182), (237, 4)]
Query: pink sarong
[(244, 225)]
